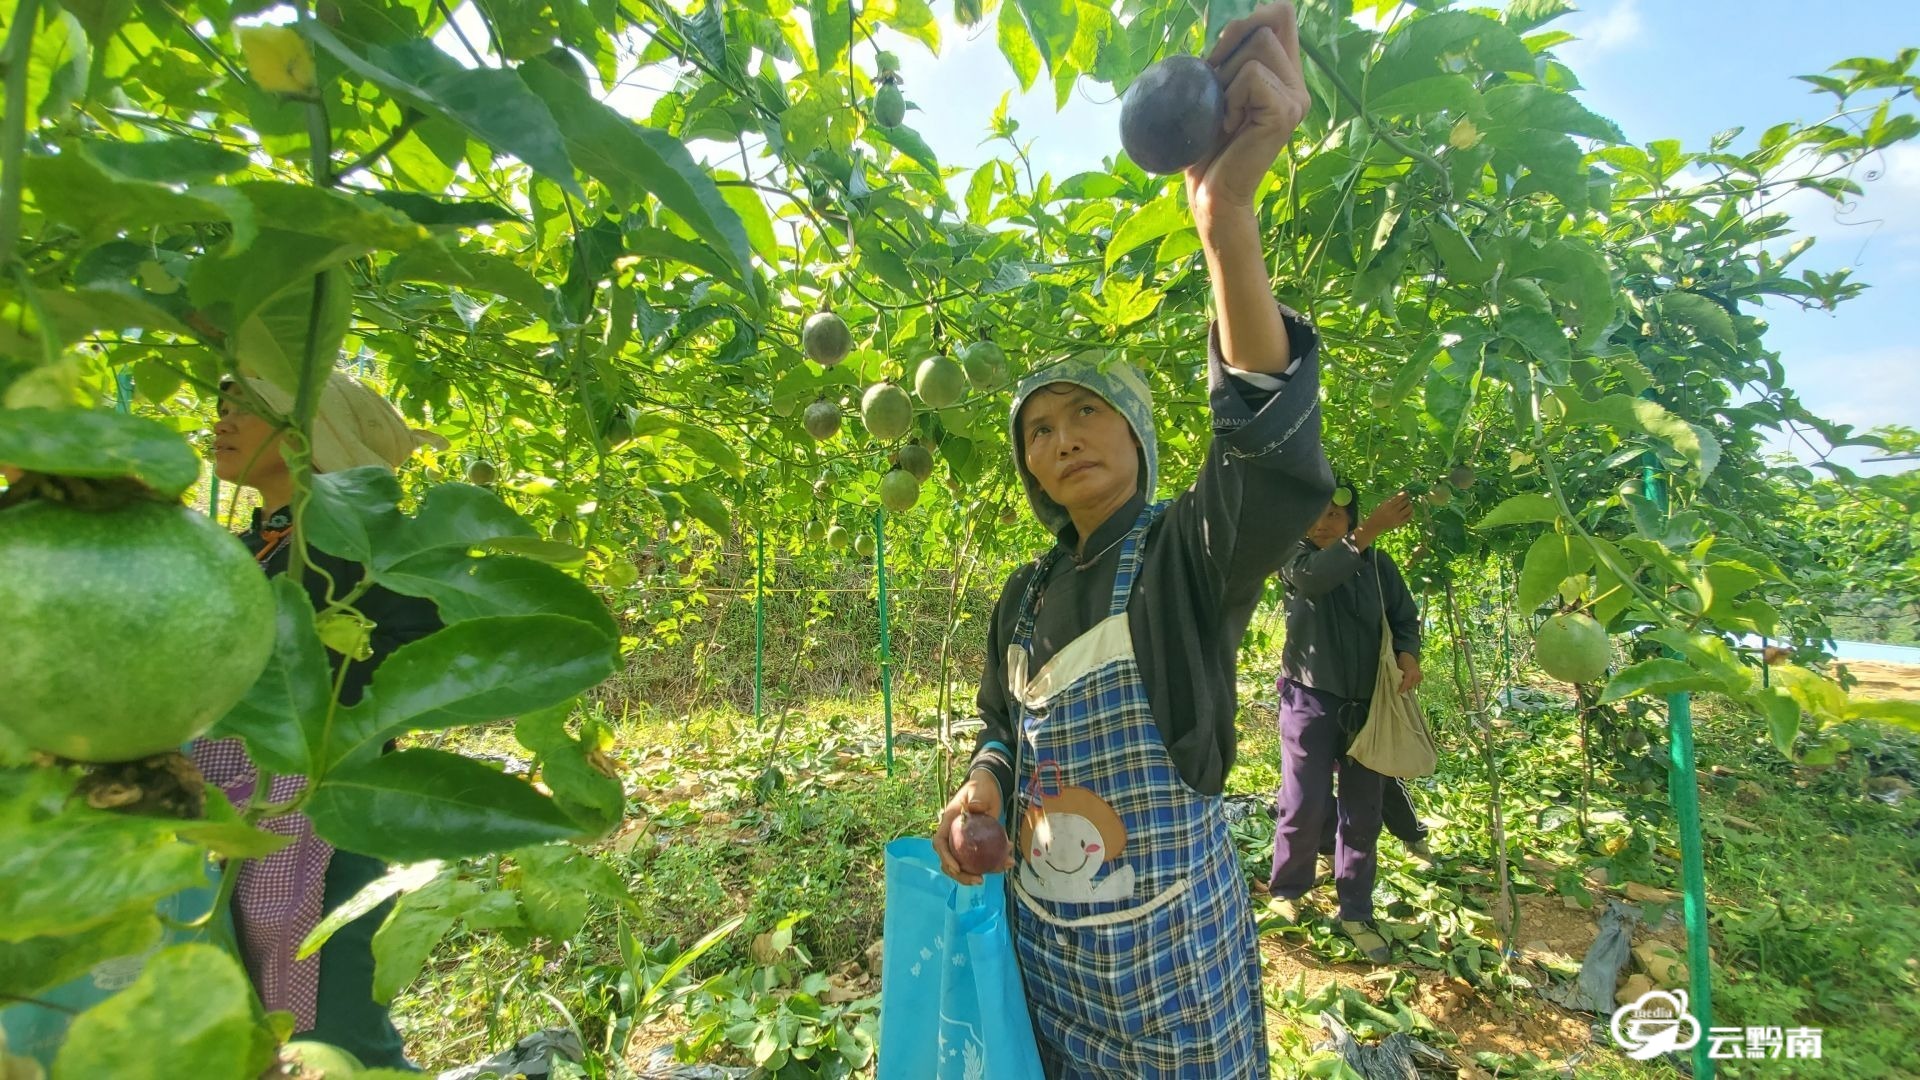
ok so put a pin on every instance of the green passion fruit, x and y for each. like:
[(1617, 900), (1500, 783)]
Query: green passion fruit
[(940, 382), (1572, 648), (822, 420), (915, 459), (985, 365), (128, 631), (899, 491), (826, 339), (889, 106), (886, 412)]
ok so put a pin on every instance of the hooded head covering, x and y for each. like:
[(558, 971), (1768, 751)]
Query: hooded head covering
[(1123, 387), (354, 425)]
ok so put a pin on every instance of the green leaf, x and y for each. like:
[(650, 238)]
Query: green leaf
[(661, 244), (1519, 509), (1053, 23), (1708, 320), (153, 1030), (335, 215), (634, 160), (473, 270), (1782, 715), (441, 213), (79, 313), (418, 804), (226, 835), (463, 587), (99, 445), (418, 922), (490, 103), (1552, 559), (38, 963), (1696, 444), (556, 883), (1436, 93), (1662, 675), (479, 670), (282, 714), (707, 507), (1904, 713), (101, 19), (87, 867), (1017, 45), (74, 190), (1536, 107), (568, 766), (1151, 222), (832, 30), (164, 161), (711, 447), (910, 17), (400, 879)]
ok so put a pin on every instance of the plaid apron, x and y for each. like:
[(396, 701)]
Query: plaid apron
[(1131, 918)]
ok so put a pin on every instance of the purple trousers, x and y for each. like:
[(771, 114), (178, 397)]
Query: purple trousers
[(1315, 729)]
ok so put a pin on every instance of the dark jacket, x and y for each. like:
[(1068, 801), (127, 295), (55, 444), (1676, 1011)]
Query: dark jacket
[(1334, 599), (1264, 480)]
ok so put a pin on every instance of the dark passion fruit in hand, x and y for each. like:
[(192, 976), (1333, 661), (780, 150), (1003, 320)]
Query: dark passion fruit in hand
[(1174, 115), (979, 843)]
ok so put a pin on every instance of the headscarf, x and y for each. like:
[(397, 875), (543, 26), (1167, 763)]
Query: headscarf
[(1123, 387), (353, 426)]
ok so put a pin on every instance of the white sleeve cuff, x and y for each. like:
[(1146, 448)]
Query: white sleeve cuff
[(1261, 380)]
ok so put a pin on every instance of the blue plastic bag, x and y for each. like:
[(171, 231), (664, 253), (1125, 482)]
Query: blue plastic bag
[(952, 1006)]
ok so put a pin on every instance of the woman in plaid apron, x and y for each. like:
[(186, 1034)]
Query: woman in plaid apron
[(1163, 979), (1108, 695)]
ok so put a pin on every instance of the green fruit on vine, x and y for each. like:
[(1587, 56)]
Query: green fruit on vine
[(915, 459), (1380, 397), (940, 382), (985, 365), (1464, 136), (889, 107), (899, 491), (816, 532), (482, 473), (885, 410), (823, 489), (1572, 648), (864, 544), (1342, 496), (826, 339), (822, 420), (320, 1061), (127, 631), (1009, 516), (1637, 739), (1461, 476), (1439, 496), (1173, 115), (838, 538)]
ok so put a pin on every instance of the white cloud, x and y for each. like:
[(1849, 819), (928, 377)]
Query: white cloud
[(1618, 26), (1606, 27)]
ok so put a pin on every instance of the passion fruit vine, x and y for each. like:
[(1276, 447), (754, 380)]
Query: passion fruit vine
[(1174, 115)]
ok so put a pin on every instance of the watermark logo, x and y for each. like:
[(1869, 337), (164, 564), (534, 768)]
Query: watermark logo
[(1655, 1023)]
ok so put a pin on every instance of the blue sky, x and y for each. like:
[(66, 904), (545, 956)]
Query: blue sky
[(1660, 68)]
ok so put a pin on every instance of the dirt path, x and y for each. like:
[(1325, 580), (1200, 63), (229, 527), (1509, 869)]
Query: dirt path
[(1879, 679)]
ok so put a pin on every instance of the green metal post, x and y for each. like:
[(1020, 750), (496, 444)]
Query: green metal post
[(886, 633), (759, 623), (123, 391), (1683, 788)]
